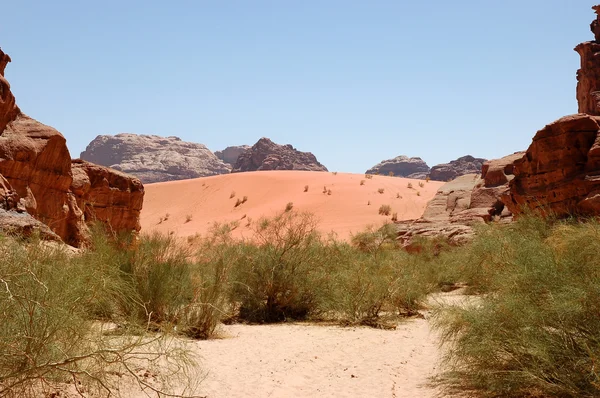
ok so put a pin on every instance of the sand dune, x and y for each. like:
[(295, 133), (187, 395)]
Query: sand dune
[(204, 201)]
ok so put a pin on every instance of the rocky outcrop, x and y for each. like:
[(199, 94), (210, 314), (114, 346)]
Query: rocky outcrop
[(231, 154), (455, 168), (267, 155), (36, 185), (107, 195), (154, 159), (588, 76), (401, 166), (462, 203), (560, 172)]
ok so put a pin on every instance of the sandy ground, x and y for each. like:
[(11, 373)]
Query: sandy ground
[(193, 206), (320, 361), (315, 360)]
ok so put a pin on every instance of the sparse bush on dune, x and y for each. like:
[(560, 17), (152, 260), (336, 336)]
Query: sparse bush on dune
[(536, 331), (385, 210)]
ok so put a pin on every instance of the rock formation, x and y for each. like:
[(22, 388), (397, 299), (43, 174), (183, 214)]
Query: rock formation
[(455, 168), (401, 166), (154, 159), (560, 171), (37, 177), (462, 203), (267, 155), (588, 76), (231, 154), (107, 195)]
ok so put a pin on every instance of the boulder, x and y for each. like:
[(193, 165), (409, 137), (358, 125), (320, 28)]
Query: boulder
[(455, 168), (267, 155), (152, 158), (231, 154), (401, 166)]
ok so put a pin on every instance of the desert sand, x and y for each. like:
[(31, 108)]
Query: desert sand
[(193, 206), (316, 360)]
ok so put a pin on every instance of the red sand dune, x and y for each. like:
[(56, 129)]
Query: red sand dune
[(346, 211)]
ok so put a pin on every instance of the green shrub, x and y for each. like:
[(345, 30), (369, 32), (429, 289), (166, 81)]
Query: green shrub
[(536, 331), (276, 277), (49, 334)]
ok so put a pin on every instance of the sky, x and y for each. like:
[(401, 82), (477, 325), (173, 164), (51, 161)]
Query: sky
[(354, 82)]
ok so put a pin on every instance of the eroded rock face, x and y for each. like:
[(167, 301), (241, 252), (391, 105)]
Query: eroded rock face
[(154, 159), (560, 171), (267, 155), (464, 202), (231, 154), (36, 178), (588, 76), (107, 195), (455, 168), (401, 166)]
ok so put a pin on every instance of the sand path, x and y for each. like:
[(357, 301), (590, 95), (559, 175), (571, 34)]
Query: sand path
[(302, 360)]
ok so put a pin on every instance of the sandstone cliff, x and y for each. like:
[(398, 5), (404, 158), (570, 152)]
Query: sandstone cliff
[(36, 170), (560, 172), (401, 166), (154, 159), (267, 155)]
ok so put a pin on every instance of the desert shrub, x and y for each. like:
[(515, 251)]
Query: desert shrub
[(385, 210), (373, 240), (210, 303), (238, 202), (289, 206), (160, 271), (391, 173), (421, 184), (395, 217), (360, 285), (48, 330), (362, 182), (368, 176), (232, 195), (278, 276), (306, 188), (188, 218), (381, 190), (536, 331)]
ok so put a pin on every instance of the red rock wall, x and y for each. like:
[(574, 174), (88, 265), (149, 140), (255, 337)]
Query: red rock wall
[(108, 196), (560, 172)]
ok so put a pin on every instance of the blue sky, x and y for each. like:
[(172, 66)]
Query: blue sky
[(354, 82)]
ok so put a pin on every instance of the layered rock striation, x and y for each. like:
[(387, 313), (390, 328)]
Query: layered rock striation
[(152, 158), (267, 155)]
